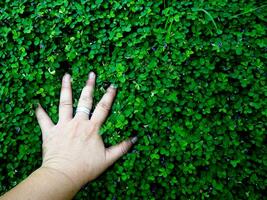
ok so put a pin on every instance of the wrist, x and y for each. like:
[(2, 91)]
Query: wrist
[(57, 178), (70, 177), (42, 184)]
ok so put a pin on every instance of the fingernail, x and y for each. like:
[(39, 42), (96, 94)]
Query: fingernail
[(66, 77), (113, 86), (91, 75), (36, 105), (134, 139)]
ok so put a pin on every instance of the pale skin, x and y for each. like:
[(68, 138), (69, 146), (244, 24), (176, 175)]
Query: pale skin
[(73, 151)]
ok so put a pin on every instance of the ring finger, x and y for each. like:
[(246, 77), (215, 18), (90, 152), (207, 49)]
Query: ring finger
[(86, 98)]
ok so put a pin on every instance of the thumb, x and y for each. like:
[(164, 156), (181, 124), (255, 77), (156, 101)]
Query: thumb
[(113, 153)]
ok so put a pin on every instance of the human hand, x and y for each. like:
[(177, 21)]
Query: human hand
[(73, 146)]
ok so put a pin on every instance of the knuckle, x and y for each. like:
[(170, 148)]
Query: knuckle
[(96, 124), (40, 117), (86, 98), (89, 83), (124, 148), (103, 105), (76, 124), (94, 127), (87, 89), (65, 103), (65, 86), (77, 120)]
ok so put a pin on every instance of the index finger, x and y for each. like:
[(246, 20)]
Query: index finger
[(65, 103), (104, 105)]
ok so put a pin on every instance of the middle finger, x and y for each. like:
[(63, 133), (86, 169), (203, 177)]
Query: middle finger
[(86, 98)]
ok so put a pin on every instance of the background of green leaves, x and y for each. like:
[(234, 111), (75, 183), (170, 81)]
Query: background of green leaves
[(191, 81)]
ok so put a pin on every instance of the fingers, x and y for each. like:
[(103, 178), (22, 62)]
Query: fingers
[(86, 98), (104, 105), (44, 120), (65, 103), (115, 152)]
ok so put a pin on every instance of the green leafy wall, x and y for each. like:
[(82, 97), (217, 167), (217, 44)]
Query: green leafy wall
[(191, 81)]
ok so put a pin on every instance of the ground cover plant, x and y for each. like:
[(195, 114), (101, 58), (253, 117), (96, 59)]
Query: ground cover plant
[(191, 79)]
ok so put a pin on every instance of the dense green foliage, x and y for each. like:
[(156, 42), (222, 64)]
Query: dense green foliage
[(191, 84)]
